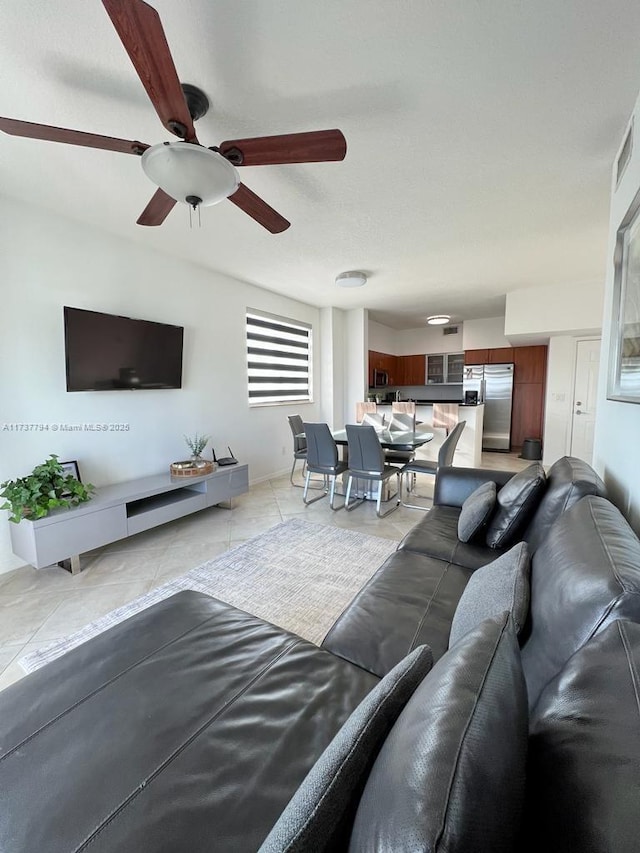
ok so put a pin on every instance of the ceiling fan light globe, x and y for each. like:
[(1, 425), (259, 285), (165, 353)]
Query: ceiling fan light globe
[(182, 169)]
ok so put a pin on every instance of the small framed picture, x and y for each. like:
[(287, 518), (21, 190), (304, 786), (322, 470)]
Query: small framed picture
[(71, 468)]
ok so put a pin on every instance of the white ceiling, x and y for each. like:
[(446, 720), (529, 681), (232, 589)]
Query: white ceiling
[(480, 138)]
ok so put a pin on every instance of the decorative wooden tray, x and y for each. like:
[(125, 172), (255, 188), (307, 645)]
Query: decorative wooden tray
[(189, 468)]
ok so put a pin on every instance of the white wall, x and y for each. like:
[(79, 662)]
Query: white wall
[(472, 334), (382, 338), (617, 449), (48, 262), (544, 311), (424, 339), (487, 333), (356, 367), (428, 339), (332, 370)]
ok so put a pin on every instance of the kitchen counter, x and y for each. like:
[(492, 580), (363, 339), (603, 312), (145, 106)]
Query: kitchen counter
[(469, 450), (429, 402), (424, 401)]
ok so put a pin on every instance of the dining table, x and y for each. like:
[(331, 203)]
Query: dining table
[(391, 439), (407, 440)]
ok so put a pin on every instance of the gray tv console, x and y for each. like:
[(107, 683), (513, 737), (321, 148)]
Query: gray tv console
[(121, 510)]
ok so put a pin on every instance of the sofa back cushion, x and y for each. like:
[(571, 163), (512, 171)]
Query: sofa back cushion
[(585, 575), (516, 503), (450, 775), (583, 775), (320, 814), (568, 480)]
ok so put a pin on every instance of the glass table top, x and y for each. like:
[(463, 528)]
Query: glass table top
[(391, 438)]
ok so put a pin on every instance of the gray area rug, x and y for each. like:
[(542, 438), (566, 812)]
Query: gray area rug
[(297, 575)]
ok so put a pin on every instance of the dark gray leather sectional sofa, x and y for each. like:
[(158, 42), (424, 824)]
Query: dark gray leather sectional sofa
[(190, 726)]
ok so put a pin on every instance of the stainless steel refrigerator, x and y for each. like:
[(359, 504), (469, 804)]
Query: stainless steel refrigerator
[(494, 384)]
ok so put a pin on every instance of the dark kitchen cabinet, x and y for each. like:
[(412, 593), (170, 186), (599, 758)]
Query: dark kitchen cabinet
[(411, 369), (383, 361), (527, 412), (529, 386), (500, 355), (475, 356), (530, 364)]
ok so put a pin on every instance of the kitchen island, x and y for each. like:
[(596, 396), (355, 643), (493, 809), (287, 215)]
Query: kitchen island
[(469, 450)]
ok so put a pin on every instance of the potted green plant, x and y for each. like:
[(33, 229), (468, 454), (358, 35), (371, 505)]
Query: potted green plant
[(196, 445), (46, 488)]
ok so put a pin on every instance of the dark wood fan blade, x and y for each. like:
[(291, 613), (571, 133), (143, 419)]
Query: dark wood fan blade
[(157, 210), (259, 210), (140, 30), (71, 137), (314, 147)]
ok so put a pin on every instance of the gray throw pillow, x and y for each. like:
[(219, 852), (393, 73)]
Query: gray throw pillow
[(319, 816), (501, 585), (476, 511), (451, 774), (517, 501)]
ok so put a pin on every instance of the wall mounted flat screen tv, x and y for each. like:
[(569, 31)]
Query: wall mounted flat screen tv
[(105, 352)]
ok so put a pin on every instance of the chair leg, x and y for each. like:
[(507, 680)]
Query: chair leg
[(407, 505), (304, 474), (332, 497), (293, 468), (379, 499), (324, 490), (348, 495)]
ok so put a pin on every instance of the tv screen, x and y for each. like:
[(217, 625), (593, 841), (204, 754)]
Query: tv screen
[(105, 352)]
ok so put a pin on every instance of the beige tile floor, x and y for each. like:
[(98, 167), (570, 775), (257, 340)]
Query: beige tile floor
[(39, 606)]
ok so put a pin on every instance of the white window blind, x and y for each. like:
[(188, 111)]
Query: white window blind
[(278, 359)]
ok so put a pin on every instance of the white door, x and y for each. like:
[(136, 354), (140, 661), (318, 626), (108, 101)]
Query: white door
[(584, 399)]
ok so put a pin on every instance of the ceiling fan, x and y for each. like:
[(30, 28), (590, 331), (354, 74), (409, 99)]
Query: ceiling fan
[(187, 171)]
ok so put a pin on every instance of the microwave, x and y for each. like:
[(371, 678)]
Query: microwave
[(380, 378)]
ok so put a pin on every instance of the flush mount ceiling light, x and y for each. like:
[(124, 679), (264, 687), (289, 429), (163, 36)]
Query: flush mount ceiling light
[(438, 319), (190, 173), (351, 279)]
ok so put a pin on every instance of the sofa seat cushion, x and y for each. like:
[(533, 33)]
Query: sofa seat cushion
[(451, 774), (583, 577), (476, 511), (187, 727), (409, 601), (496, 587), (436, 535), (517, 501), (584, 750), (320, 815)]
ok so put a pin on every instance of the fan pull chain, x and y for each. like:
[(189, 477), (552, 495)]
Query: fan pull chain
[(194, 202), (199, 217)]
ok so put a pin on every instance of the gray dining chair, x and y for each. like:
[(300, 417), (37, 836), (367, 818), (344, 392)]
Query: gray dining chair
[(322, 458), (299, 446), (429, 466), (367, 462), (401, 422)]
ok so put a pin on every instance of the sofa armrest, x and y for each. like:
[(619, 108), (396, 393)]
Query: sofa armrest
[(454, 485)]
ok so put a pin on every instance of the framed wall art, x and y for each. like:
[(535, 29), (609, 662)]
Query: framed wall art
[(71, 468), (624, 354)]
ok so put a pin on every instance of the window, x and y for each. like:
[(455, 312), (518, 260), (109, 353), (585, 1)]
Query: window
[(278, 359)]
